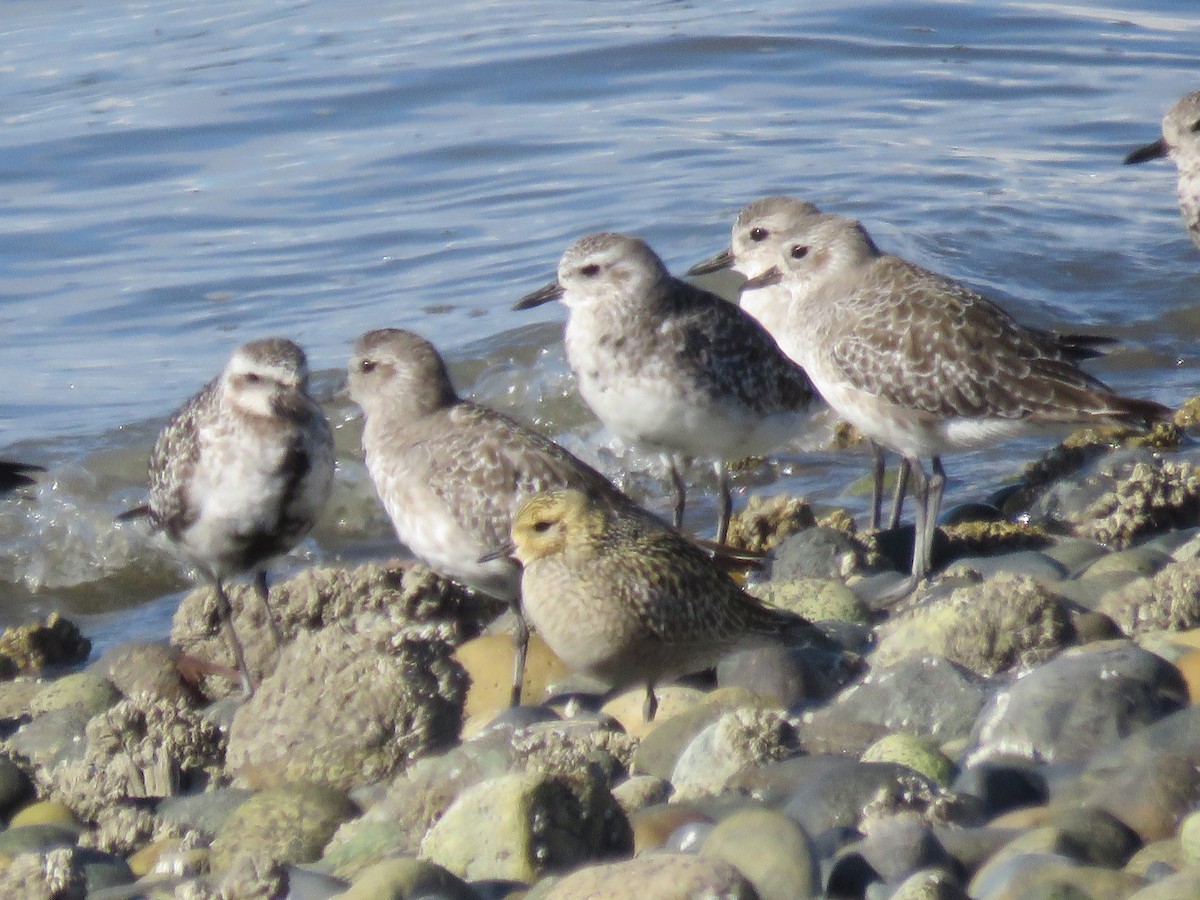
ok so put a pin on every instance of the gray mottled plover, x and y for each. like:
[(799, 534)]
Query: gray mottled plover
[(663, 362), (451, 473), (628, 600), (924, 366), (1181, 142), (15, 475), (241, 472), (759, 235), (754, 249)]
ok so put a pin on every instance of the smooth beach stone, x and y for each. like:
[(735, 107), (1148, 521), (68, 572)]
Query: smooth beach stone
[(53, 737), (776, 674), (972, 846), (1144, 561), (897, 847), (987, 627), (16, 697), (1089, 592), (1150, 796), (206, 812), (45, 812), (1031, 563), (929, 884), (102, 870), (343, 708), (641, 791), (535, 824), (673, 699), (662, 877), (1180, 543), (488, 661), (1095, 836), (1084, 699), (1189, 839), (1075, 553), (1183, 885), (1162, 856), (143, 666), (1004, 783), (654, 825), (396, 824), (770, 849), (687, 838), (291, 823), (659, 750), (37, 838), (407, 878), (819, 552), (1049, 875), (740, 739), (838, 795), (15, 786), (918, 753), (925, 694), (93, 693), (1189, 667)]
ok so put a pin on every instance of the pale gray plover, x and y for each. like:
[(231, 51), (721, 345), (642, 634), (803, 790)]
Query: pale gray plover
[(754, 249), (663, 362), (241, 472), (924, 366), (758, 238), (452, 473), (1181, 142), (626, 599)]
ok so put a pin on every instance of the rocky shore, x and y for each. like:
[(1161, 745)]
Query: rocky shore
[(1024, 726)]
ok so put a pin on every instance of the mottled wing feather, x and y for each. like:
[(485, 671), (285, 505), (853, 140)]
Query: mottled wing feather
[(173, 460), (744, 360), (485, 455), (679, 595), (960, 356)]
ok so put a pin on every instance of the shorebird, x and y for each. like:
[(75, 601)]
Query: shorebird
[(1181, 142), (241, 472), (452, 473), (628, 600), (759, 234), (665, 363), (924, 366)]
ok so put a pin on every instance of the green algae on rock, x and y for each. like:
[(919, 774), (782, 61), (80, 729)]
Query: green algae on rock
[(990, 627)]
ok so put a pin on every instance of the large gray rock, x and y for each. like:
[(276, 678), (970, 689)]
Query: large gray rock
[(1068, 708), (347, 708)]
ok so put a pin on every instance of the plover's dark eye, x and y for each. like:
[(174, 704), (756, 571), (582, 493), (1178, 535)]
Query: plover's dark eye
[(542, 525), (253, 378), (366, 366), (759, 234), (591, 270), (799, 251)]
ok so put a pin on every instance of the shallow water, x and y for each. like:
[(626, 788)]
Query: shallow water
[(179, 178)]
